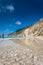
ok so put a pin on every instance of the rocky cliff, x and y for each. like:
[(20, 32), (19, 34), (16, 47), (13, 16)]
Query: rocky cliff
[(35, 29)]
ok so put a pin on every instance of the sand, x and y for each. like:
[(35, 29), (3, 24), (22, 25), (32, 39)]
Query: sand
[(15, 53), (35, 43)]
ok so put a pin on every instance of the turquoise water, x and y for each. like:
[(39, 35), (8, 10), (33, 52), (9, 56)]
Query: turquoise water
[(13, 37)]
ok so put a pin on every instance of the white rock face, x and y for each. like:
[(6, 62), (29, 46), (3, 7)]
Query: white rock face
[(16, 54)]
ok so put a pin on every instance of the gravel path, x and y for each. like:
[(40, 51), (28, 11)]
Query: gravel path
[(16, 54)]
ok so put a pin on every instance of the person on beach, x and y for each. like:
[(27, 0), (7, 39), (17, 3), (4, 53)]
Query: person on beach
[(2, 35)]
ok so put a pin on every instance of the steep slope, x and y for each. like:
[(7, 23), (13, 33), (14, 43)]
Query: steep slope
[(35, 29), (33, 37)]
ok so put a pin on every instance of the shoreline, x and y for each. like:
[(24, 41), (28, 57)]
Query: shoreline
[(35, 44)]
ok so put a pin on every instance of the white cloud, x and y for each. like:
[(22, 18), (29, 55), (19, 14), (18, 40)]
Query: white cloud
[(18, 23), (10, 8)]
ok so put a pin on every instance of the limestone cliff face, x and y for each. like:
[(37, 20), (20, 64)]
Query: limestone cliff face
[(35, 29)]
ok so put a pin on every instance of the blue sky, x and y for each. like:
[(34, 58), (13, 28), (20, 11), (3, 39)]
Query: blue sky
[(16, 14)]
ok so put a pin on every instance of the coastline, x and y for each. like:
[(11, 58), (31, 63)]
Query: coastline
[(34, 43)]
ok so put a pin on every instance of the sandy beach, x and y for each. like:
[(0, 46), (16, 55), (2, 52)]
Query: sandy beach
[(33, 43), (12, 53)]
